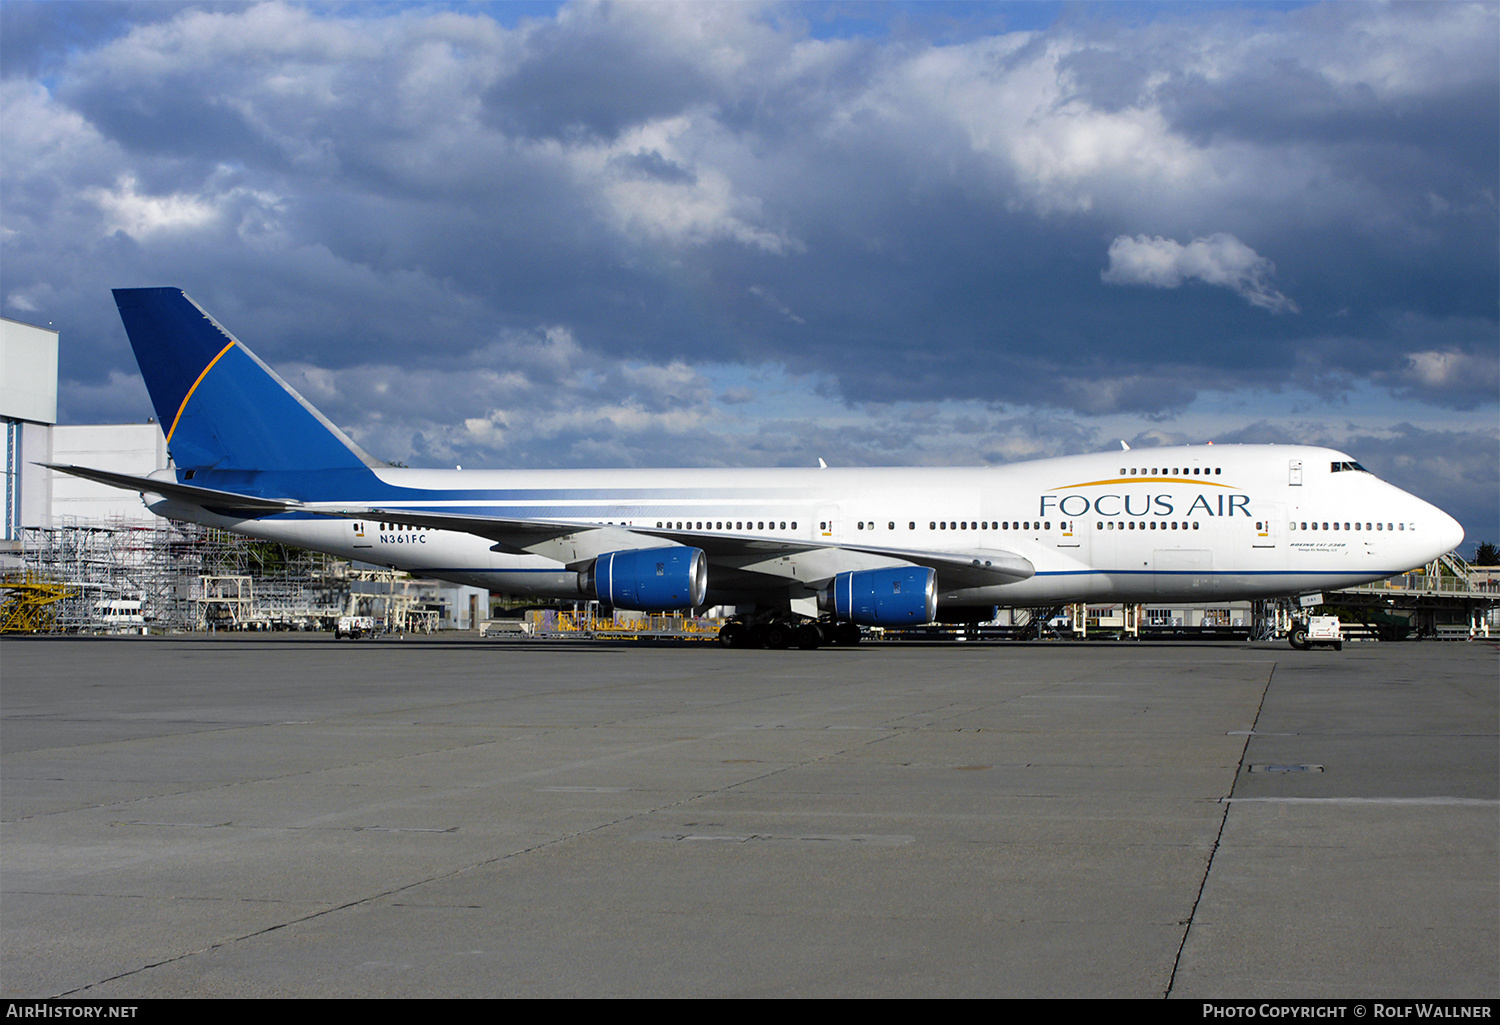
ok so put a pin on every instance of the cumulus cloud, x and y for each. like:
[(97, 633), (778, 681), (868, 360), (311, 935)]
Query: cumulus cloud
[(1448, 377), (1220, 259)]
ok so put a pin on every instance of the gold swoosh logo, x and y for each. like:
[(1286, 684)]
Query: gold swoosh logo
[(1148, 480), (195, 388)]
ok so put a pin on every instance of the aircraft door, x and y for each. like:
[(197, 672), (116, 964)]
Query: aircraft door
[(824, 524), (1268, 531), (1294, 473)]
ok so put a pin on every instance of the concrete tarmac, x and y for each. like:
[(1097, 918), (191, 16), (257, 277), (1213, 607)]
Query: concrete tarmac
[(287, 815)]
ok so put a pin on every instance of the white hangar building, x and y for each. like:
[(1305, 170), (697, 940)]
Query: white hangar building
[(36, 496)]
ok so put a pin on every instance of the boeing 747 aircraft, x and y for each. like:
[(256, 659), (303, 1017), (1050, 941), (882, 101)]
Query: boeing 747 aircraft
[(815, 552)]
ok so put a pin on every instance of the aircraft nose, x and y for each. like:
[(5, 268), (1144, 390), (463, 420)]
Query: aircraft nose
[(1450, 532)]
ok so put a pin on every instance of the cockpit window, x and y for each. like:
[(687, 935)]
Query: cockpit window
[(1337, 467)]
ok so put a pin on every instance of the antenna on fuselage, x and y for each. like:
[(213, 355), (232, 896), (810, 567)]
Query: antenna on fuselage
[(1123, 445)]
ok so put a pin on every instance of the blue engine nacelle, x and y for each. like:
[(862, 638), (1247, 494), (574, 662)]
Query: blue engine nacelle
[(648, 579), (885, 597)]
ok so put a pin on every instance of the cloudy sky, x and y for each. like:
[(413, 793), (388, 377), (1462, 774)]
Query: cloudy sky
[(758, 234)]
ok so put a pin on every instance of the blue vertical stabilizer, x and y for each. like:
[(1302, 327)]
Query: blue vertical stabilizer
[(220, 406)]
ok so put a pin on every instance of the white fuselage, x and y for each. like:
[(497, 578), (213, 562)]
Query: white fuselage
[(1221, 521)]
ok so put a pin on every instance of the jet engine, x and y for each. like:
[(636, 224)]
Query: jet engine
[(648, 579), (905, 596)]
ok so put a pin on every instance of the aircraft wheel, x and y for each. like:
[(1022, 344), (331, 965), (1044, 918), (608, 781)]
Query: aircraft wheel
[(846, 635), (733, 635), (778, 636), (808, 636)]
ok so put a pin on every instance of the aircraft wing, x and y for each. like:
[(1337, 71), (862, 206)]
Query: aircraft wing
[(810, 562), (516, 537), (226, 502), (574, 544)]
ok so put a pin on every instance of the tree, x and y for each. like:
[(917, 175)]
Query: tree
[(1487, 554)]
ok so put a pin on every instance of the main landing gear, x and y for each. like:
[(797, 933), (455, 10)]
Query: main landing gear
[(781, 632)]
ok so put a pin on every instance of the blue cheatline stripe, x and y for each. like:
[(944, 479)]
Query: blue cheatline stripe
[(486, 569), (361, 487), (1342, 572), (1058, 573)]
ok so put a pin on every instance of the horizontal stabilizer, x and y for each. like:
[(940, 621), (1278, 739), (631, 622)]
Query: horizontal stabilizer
[(226, 502)]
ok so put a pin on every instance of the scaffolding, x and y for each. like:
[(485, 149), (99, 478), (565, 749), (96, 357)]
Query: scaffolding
[(397, 602), (125, 576)]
